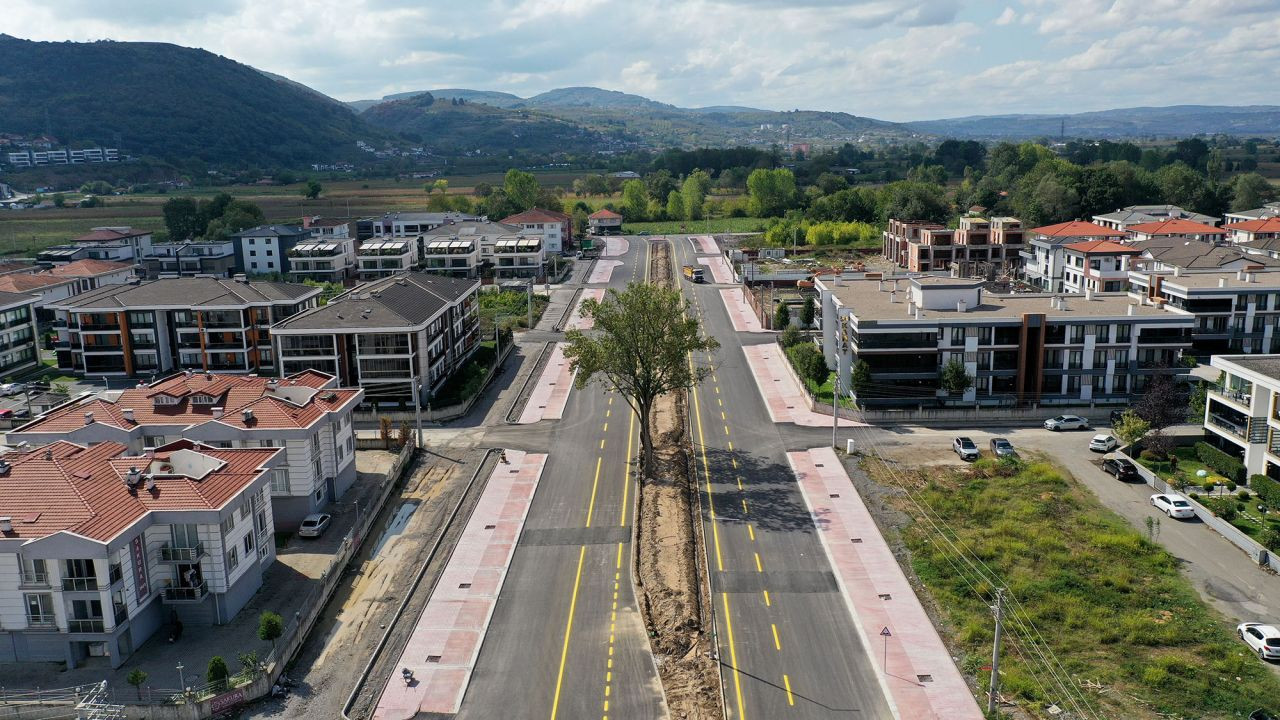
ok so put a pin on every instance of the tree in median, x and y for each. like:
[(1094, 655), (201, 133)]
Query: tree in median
[(270, 627), (955, 379), (640, 346), (136, 678)]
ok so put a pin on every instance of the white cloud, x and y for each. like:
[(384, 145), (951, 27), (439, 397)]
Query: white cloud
[(892, 59)]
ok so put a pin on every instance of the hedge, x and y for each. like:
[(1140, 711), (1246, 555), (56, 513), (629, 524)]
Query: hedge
[(1228, 466), (1266, 488)]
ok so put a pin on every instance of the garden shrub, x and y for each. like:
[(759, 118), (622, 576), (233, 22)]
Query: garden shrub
[(1268, 490), (1217, 460)]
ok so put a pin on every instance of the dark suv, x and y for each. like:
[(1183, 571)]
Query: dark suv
[(1122, 469)]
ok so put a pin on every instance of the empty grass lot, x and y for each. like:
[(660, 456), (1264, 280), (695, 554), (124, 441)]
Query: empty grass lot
[(1129, 629)]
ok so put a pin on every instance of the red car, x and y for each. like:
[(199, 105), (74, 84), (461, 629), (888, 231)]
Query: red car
[(6, 414)]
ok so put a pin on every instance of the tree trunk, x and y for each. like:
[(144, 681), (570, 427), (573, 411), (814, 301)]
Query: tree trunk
[(646, 441)]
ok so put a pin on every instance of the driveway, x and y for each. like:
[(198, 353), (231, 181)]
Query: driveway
[(1225, 576)]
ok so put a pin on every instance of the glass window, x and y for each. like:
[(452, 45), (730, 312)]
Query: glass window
[(280, 481), (228, 524), (233, 558), (248, 544)]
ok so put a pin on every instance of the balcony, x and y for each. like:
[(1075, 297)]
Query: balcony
[(80, 584), (1223, 423), (99, 327), (224, 345), (1239, 397), (33, 579), (186, 594), (173, 554), (86, 625), (42, 622)]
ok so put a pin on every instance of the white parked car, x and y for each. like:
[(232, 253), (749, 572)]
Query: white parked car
[(314, 525), (1103, 443), (10, 389), (965, 448), (1264, 639), (1066, 422), (1173, 505)]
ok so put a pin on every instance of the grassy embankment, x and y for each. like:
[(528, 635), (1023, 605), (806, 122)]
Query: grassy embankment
[(1130, 631)]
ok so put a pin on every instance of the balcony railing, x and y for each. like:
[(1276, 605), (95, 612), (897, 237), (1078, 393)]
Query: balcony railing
[(42, 622), (31, 578), (86, 625), (80, 584), (1238, 396), (186, 594), (99, 327), (1225, 424), (121, 612), (173, 554)]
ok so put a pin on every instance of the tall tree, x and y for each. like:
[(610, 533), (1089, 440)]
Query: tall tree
[(522, 189), (635, 200), (675, 205), (916, 201), (181, 217), (639, 346), (694, 193), (312, 190), (955, 379), (1251, 190), (771, 192)]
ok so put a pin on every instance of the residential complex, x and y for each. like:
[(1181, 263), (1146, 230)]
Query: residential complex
[(101, 545), (1235, 312), (979, 247), (37, 158), (118, 244), (1098, 265), (64, 281), (1242, 413), (1044, 259), (192, 257), (380, 258), (1126, 218), (1269, 210), (604, 222), (556, 228), (1020, 349), (485, 233), (307, 414), (264, 250), (413, 224), (397, 338), (18, 334), (326, 259), (151, 327)]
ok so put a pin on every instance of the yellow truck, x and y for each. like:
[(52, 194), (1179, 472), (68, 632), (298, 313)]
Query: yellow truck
[(693, 272)]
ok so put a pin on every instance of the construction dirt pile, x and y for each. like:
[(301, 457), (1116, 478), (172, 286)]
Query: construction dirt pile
[(670, 558)]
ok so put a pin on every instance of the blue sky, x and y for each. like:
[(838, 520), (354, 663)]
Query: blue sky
[(889, 59)]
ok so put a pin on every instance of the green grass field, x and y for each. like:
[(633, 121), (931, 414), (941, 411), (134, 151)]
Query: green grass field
[(695, 227), (1112, 605)]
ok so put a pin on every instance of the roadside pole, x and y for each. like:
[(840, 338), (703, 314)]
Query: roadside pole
[(835, 409), (995, 653), (417, 412)]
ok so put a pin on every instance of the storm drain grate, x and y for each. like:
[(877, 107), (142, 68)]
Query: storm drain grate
[(464, 586), (490, 527), (857, 540), (835, 495), (886, 596), (924, 678), (433, 658)]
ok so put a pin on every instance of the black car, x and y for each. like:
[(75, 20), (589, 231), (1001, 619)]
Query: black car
[(1261, 715), (1116, 415), (1122, 469)]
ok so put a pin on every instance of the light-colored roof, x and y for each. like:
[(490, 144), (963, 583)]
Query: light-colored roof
[(69, 487), (1102, 247), (1264, 280), (89, 267), (1077, 228), (189, 292), (297, 401)]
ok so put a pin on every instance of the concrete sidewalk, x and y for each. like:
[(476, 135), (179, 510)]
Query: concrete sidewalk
[(616, 247), (446, 641), (919, 677), (576, 320), (782, 395), (705, 244), (743, 317), (603, 271), (720, 270), (551, 392)]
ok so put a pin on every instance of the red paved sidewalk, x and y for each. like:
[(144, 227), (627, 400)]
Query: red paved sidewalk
[(743, 317), (551, 392), (783, 396), (706, 244), (576, 320), (921, 680), (602, 271), (446, 641), (616, 247), (720, 270)]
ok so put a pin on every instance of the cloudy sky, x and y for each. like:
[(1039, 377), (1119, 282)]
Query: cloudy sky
[(889, 59)]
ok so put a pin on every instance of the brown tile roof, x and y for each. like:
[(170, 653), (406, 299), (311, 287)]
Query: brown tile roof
[(1175, 226), (21, 283), (83, 490), (88, 268), (605, 213), (537, 215), (1077, 228), (1271, 224), (109, 235), (276, 407)]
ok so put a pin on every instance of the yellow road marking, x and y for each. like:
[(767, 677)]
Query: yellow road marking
[(626, 471), (787, 681), (619, 565), (777, 644), (568, 630), (591, 506), (751, 532), (722, 417), (733, 657), (706, 474), (759, 567), (605, 428), (726, 431), (602, 443), (766, 599), (744, 506)]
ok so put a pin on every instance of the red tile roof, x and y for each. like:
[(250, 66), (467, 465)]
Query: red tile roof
[(537, 215), (1271, 224), (1105, 247), (109, 235), (1176, 226), (605, 213), (82, 490), (88, 268), (20, 283), (294, 402), (1077, 228)]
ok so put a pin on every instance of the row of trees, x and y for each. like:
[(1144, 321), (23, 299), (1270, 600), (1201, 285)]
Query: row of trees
[(186, 218)]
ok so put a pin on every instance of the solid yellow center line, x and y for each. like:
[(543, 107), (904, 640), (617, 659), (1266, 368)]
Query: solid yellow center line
[(733, 657), (626, 472), (568, 630), (787, 682), (777, 644), (591, 505)]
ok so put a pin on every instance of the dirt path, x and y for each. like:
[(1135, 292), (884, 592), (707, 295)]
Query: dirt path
[(670, 561)]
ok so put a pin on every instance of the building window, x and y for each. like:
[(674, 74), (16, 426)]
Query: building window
[(1073, 383), (228, 524), (957, 336), (280, 480), (319, 494), (1077, 333), (152, 441), (253, 253), (267, 443), (233, 558), (248, 544), (1099, 358), (40, 609)]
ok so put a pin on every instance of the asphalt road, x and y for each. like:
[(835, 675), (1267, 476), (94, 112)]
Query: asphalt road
[(788, 646), (566, 639)]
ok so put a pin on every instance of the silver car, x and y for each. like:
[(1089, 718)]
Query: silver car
[(314, 525)]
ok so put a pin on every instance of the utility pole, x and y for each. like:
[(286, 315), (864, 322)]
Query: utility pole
[(530, 303), (995, 653), (417, 412), (835, 407)]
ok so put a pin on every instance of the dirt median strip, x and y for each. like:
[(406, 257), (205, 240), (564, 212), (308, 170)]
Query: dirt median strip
[(670, 560)]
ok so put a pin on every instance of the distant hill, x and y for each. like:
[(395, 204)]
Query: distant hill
[(451, 129), (637, 120), (170, 102), (1171, 121)]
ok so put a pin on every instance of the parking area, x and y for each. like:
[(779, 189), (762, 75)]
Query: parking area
[(1225, 577)]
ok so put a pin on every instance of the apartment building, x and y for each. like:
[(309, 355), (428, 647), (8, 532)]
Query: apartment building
[(413, 224), (153, 327), (1167, 254), (63, 281), (264, 250), (1269, 210), (323, 228), (519, 257), (37, 158), (306, 413), (116, 244), (556, 228), (978, 247), (1235, 311), (1020, 349), (1176, 229), (1043, 260), (1242, 413), (457, 256), (100, 546), (604, 222), (187, 258), (324, 260), (386, 257), (486, 234), (398, 338), (1127, 217), (1097, 265), (18, 334), (1253, 232)]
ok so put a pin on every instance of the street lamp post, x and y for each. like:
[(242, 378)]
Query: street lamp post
[(182, 679), (417, 412)]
